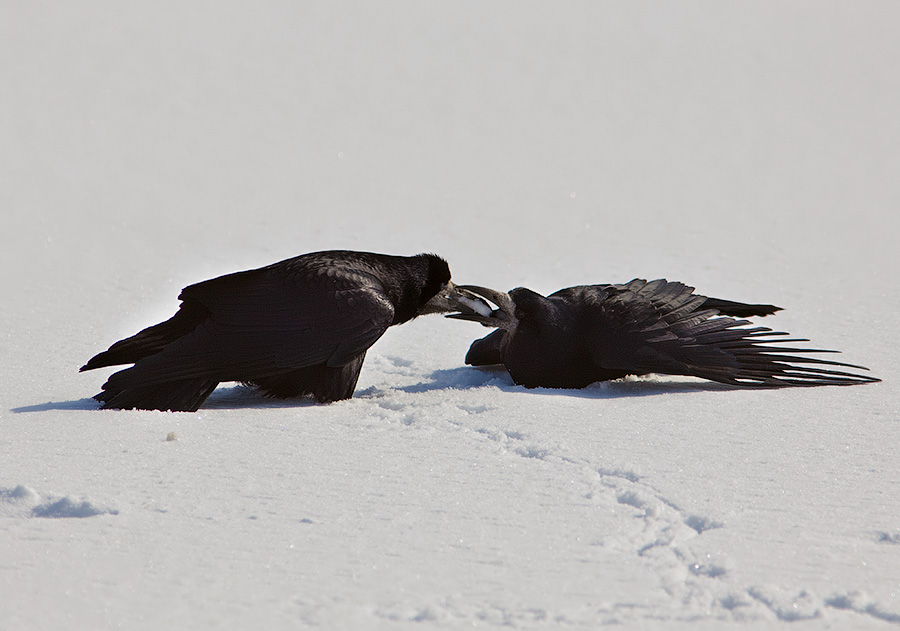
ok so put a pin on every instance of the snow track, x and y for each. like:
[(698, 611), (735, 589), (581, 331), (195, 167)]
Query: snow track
[(694, 581)]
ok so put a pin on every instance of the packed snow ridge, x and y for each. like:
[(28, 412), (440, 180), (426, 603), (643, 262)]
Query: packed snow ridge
[(22, 501)]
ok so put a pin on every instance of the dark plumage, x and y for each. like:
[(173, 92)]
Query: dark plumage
[(298, 327), (584, 334)]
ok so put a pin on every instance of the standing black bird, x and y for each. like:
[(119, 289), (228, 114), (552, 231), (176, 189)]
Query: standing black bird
[(590, 333), (298, 327)]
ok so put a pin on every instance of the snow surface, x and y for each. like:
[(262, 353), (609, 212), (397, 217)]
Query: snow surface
[(750, 149)]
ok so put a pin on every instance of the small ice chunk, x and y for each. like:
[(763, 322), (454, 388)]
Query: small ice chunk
[(476, 305)]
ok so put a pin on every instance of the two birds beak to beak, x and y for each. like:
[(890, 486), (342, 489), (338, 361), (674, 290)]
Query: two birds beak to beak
[(470, 302)]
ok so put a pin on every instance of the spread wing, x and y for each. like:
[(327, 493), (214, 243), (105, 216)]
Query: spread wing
[(661, 327), (263, 322)]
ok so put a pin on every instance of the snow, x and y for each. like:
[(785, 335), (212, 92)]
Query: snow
[(748, 149)]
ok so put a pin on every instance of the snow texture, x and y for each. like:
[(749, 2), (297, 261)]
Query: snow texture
[(748, 149)]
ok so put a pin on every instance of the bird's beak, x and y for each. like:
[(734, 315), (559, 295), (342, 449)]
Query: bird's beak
[(454, 299), (473, 308)]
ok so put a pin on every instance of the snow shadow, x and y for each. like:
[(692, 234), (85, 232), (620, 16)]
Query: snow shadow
[(68, 508), (76, 404), (464, 378), (238, 396)]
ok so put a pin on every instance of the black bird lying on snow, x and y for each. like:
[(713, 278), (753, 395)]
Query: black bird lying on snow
[(584, 334), (298, 327)]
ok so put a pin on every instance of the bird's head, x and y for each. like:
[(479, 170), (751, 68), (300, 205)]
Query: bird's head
[(441, 295), (533, 312), (437, 276)]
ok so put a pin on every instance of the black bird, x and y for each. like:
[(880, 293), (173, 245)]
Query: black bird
[(295, 328), (590, 333)]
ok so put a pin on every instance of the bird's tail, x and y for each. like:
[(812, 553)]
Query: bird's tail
[(125, 390), (152, 339), (727, 352)]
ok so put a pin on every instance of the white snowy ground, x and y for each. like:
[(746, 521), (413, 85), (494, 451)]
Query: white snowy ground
[(750, 149)]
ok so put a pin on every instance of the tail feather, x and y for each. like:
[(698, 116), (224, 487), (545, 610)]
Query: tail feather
[(739, 309), (128, 393), (756, 362), (152, 339), (732, 350)]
